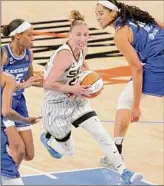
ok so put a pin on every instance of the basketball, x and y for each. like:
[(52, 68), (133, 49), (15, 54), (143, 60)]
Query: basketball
[(93, 79)]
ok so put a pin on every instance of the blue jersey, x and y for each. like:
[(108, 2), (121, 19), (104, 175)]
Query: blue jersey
[(17, 66), (8, 166), (148, 42)]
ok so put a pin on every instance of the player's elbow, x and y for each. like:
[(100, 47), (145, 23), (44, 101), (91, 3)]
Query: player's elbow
[(138, 69), (29, 156), (29, 153)]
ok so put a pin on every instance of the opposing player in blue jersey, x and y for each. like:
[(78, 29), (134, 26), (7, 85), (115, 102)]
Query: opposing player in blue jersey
[(140, 38), (18, 62), (9, 168)]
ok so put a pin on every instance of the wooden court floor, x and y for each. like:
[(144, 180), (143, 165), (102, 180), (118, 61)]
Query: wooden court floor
[(144, 142)]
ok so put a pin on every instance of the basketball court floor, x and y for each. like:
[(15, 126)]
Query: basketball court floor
[(143, 146)]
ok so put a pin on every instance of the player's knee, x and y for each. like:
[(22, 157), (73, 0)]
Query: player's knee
[(29, 156), (29, 152), (19, 149), (21, 152)]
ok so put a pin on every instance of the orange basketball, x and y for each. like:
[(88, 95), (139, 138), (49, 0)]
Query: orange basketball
[(93, 79)]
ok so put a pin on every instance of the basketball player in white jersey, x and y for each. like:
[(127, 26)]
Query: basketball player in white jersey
[(64, 104)]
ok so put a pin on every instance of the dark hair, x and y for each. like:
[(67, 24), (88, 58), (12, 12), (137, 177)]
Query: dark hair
[(75, 18), (7, 29), (134, 13)]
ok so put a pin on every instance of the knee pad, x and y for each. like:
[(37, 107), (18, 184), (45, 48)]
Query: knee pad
[(83, 119), (64, 139), (67, 137)]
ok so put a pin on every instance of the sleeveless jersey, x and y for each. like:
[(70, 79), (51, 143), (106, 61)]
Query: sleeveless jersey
[(148, 42), (17, 66), (69, 77)]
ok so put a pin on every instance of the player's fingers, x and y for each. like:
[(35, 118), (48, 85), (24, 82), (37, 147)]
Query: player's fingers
[(85, 86), (35, 83)]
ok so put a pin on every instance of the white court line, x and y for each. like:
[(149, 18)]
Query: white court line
[(97, 168), (39, 172), (64, 171), (75, 170)]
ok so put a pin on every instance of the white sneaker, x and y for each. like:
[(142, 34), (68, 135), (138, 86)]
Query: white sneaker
[(128, 177)]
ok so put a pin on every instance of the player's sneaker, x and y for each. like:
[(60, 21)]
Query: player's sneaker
[(128, 177), (51, 150)]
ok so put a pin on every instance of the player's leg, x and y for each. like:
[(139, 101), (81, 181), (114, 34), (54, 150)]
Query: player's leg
[(46, 137), (90, 122), (153, 84), (24, 129), (27, 137), (123, 115), (122, 121), (57, 138), (16, 145), (95, 128), (9, 169)]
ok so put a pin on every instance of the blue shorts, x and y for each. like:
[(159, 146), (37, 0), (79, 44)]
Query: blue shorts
[(153, 83), (8, 167), (153, 75), (19, 105)]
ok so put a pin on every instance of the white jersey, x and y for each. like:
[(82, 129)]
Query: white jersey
[(70, 76)]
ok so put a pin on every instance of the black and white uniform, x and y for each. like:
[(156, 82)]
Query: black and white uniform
[(59, 110)]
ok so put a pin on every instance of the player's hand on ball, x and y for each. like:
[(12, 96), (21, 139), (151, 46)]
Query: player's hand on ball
[(80, 90)]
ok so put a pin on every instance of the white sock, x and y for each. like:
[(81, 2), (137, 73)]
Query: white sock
[(95, 128), (118, 140)]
